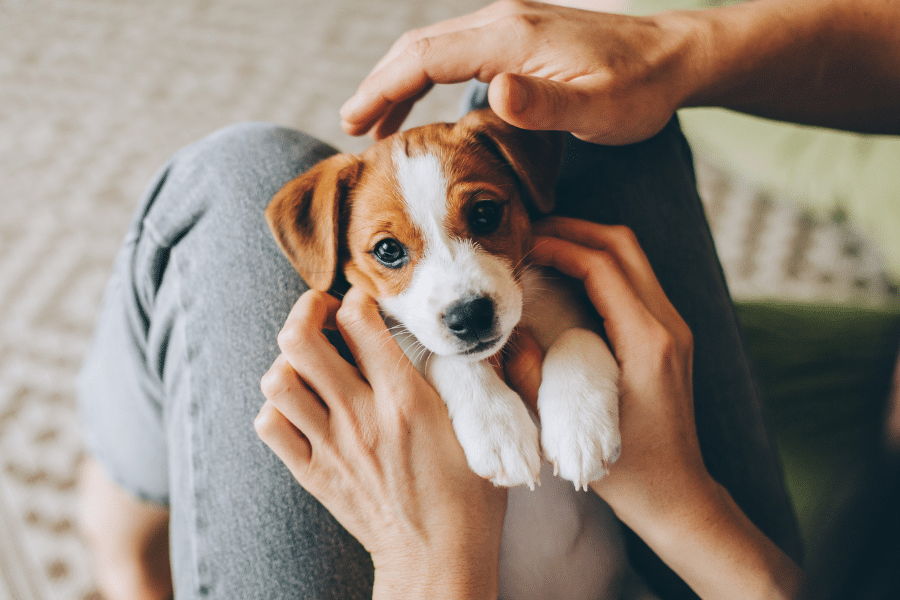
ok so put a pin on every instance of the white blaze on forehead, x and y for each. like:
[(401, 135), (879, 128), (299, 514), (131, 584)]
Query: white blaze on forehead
[(450, 268), (424, 188)]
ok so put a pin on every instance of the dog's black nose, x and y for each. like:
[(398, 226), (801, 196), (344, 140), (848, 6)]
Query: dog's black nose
[(472, 319)]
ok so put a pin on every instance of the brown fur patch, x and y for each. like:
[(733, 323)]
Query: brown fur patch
[(378, 212), (475, 170)]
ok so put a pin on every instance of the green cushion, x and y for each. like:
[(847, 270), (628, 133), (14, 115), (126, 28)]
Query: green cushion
[(824, 373)]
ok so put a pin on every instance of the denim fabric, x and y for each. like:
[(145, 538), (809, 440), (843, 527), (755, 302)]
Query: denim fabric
[(170, 388), (200, 289)]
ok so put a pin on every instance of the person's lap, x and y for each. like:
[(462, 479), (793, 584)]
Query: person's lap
[(189, 326)]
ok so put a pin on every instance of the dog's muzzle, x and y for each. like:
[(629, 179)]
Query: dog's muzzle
[(473, 321)]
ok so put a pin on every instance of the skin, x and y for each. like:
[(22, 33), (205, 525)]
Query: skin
[(660, 487), (615, 79), (376, 446), (128, 538), (892, 427), (400, 480)]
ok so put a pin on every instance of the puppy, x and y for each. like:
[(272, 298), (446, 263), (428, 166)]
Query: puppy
[(434, 223)]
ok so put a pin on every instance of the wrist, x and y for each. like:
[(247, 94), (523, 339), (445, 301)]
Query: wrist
[(446, 578), (464, 567), (659, 508), (689, 59), (701, 534), (733, 46)]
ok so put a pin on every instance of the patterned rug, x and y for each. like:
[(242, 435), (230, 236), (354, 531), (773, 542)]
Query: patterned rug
[(96, 94)]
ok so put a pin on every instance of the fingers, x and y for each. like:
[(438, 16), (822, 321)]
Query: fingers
[(491, 45), (310, 353), (617, 239), (390, 123), (379, 358), (545, 104), (607, 286), (285, 440), (285, 391), (623, 245), (479, 46), (310, 378), (476, 19), (453, 57)]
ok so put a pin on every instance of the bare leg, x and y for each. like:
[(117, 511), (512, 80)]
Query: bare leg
[(893, 422), (128, 539)]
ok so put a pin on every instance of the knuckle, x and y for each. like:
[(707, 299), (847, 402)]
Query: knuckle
[(407, 38), (265, 423), (662, 341), (509, 7), (273, 383), (623, 235), (685, 338), (293, 337), (315, 301), (604, 260), (349, 315), (420, 49), (299, 331), (520, 23)]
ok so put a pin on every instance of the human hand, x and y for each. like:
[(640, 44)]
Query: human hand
[(606, 78), (659, 487), (376, 446), (660, 466)]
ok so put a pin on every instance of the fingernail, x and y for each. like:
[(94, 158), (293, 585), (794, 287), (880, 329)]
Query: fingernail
[(518, 96)]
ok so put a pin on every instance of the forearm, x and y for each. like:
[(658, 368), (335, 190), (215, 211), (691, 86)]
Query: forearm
[(710, 543), (833, 63)]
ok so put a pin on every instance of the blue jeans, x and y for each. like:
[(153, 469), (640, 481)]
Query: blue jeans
[(199, 291)]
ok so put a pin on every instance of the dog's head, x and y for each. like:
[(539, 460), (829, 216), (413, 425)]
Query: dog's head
[(433, 222)]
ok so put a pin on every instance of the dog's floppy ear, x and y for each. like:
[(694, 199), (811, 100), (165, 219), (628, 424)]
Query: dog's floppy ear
[(535, 156), (304, 216)]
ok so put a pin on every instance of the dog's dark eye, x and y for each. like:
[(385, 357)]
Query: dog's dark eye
[(484, 218), (390, 253)]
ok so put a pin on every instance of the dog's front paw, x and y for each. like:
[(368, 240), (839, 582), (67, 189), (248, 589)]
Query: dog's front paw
[(492, 424), (581, 446), (500, 440), (579, 407)]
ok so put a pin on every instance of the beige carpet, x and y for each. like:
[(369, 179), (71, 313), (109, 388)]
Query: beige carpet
[(96, 94)]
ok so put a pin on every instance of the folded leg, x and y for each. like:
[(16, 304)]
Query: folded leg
[(170, 388)]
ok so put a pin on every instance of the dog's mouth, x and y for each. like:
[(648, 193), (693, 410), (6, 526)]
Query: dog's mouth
[(484, 346)]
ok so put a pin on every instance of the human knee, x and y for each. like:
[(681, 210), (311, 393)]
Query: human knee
[(263, 145)]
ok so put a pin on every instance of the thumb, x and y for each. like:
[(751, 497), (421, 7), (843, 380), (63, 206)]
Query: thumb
[(540, 104)]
